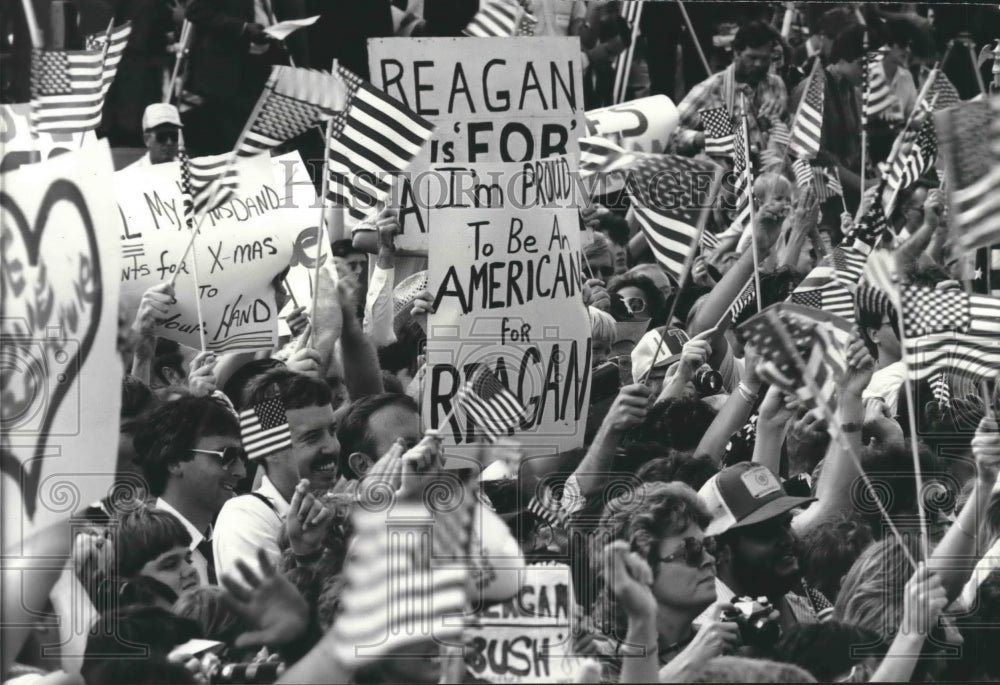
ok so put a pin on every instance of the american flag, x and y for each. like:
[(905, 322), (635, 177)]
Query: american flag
[(872, 225), (944, 91), (116, 40), (294, 101), (493, 408), (820, 289), (497, 18), (67, 94), (803, 172), (709, 241), (631, 12), (823, 183), (376, 137), (910, 166), (882, 274), (833, 183), (600, 156), (405, 580), (970, 142), (878, 97), (718, 125), (746, 297), (662, 196), (807, 128), (780, 135), (199, 178), (941, 388), (950, 332), (743, 170), (849, 261), (264, 429)]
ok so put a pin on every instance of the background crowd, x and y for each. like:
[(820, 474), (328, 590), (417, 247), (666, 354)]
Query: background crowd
[(728, 533)]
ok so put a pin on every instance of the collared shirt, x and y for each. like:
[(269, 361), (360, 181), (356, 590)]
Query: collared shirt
[(768, 99), (198, 559), (247, 524), (905, 90)]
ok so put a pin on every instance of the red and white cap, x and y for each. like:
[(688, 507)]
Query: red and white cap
[(744, 494)]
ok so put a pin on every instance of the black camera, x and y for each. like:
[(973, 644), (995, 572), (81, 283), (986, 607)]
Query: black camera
[(250, 674), (754, 619), (707, 382)]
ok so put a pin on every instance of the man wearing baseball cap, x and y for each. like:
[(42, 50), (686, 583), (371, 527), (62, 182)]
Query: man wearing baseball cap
[(161, 130), (752, 521)]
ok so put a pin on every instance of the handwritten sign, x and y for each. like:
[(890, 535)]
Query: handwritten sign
[(506, 277), (528, 638), (17, 146), (243, 245), (642, 125), (491, 99), (60, 385)]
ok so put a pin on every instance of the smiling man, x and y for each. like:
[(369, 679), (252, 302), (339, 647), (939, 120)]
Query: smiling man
[(255, 521), (191, 456)]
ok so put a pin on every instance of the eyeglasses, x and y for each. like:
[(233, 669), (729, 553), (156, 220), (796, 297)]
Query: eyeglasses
[(164, 137), (228, 456), (636, 305), (692, 550)]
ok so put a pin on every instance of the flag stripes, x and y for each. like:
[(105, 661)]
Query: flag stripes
[(631, 12), (264, 429), (807, 129), (719, 134), (489, 405), (67, 93), (496, 18)]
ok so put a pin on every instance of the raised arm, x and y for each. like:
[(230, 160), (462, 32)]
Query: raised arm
[(627, 411)]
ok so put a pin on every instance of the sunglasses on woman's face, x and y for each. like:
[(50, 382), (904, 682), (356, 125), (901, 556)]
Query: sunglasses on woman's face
[(636, 305), (164, 137), (692, 550), (228, 456)]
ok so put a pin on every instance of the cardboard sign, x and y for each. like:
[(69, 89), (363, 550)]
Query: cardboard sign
[(17, 146), (642, 125), (242, 246), (528, 638), (60, 387), (492, 100), (506, 280)]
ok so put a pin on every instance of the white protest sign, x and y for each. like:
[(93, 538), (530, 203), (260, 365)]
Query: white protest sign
[(60, 385), (642, 125), (506, 279), (491, 99), (17, 146), (528, 638), (243, 245)]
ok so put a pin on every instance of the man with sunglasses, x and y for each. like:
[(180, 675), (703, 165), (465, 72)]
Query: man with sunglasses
[(190, 453), (161, 130), (752, 520)]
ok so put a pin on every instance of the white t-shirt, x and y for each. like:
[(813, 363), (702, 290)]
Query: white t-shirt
[(885, 386)]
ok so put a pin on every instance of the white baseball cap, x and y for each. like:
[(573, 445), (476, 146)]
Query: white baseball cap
[(160, 113)]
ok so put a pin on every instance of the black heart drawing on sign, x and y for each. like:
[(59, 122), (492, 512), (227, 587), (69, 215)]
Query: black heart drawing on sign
[(28, 475)]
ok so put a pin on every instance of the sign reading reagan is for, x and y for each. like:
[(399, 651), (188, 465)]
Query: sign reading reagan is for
[(507, 100), (242, 246), (506, 280)]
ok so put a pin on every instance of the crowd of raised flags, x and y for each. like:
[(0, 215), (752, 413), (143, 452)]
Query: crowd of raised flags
[(400, 587)]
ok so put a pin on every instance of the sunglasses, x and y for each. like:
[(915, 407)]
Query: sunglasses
[(693, 551), (636, 305), (164, 137), (228, 456)]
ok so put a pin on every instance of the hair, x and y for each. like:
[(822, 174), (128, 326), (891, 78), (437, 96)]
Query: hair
[(137, 398), (642, 518), (295, 390), (236, 386), (207, 607), (871, 596), (825, 649), (172, 431), (398, 356), (598, 246), (755, 34), (692, 471), (156, 670), (344, 248), (740, 669), (614, 227), (872, 304), (354, 434), (602, 327), (890, 470), (143, 534), (848, 45), (834, 21), (678, 423), (167, 355), (830, 549), (656, 303)]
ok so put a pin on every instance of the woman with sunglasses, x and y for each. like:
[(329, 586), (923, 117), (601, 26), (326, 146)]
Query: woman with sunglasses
[(656, 579)]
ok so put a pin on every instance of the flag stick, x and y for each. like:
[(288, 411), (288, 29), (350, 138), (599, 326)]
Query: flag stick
[(694, 37), (291, 294), (837, 431), (230, 163), (107, 42), (325, 185), (623, 63), (29, 17), (197, 291), (843, 200), (689, 260), (750, 198), (182, 52)]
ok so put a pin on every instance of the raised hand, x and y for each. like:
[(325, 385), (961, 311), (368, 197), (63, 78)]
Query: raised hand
[(596, 295), (770, 219), (629, 408), (778, 407), (153, 308), (269, 602), (924, 598), (201, 378), (419, 465), (306, 361), (631, 581), (305, 521), (860, 367), (297, 321), (986, 449)]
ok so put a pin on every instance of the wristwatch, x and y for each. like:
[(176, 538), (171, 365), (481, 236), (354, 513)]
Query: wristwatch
[(851, 427)]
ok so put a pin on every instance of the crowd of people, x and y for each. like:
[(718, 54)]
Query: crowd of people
[(730, 533)]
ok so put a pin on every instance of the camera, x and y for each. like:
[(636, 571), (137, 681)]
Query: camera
[(38, 375), (707, 381), (753, 617), (250, 674)]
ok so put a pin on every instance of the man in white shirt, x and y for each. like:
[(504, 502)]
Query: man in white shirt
[(190, 453), (161, 130), (255, 521), (879, 326)]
